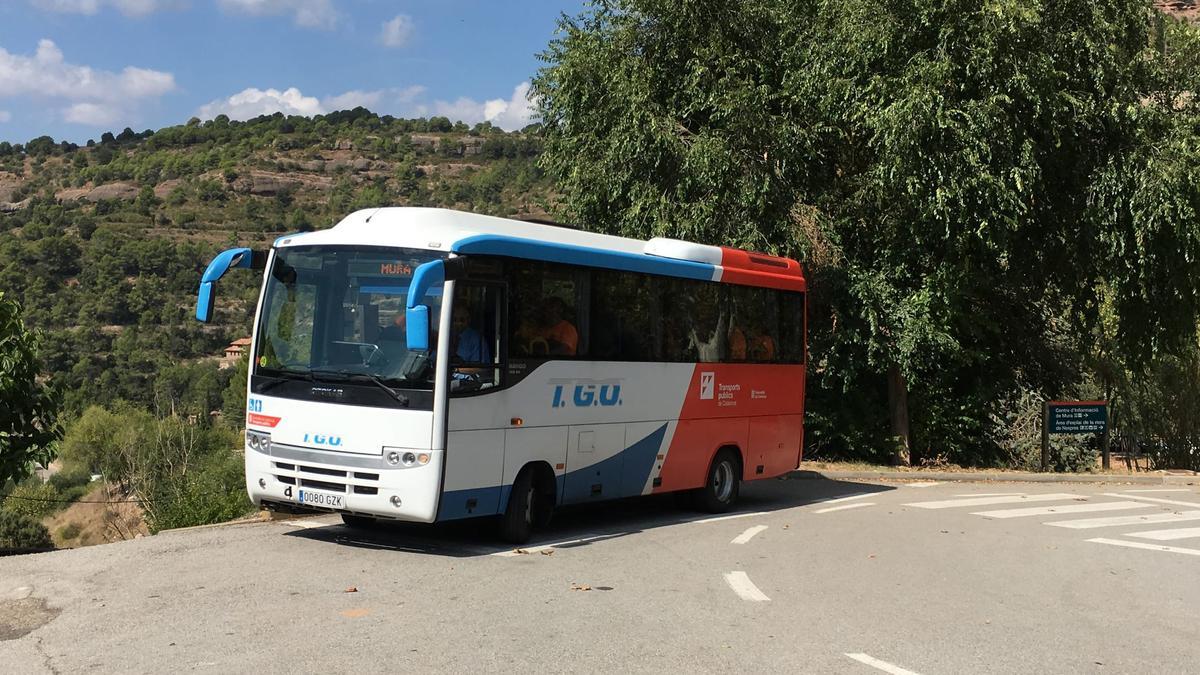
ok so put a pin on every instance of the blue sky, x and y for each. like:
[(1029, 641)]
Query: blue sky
[(74, 69)]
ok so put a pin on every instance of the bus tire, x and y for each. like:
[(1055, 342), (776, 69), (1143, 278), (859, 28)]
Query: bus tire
[(516, 525), (358, 522), (720, 491)]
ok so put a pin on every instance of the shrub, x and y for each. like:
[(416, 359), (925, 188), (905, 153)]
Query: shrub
[(22, 532), (70, 478), (33, 501), (69, 531)]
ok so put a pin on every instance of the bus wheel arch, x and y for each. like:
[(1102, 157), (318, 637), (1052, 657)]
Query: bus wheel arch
[(530, 502), (722, 483)]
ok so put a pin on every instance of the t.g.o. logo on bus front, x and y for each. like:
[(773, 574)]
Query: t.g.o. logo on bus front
[(581, 393)]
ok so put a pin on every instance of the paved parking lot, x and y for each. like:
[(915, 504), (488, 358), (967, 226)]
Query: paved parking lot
[(808, 576)]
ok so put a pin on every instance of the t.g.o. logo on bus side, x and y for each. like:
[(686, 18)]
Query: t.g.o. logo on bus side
[(586, 393)]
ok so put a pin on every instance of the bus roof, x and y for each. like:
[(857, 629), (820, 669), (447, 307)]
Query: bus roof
[(470, 233)]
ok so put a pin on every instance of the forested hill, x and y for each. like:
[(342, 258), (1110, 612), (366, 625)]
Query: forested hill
[(104, 243)]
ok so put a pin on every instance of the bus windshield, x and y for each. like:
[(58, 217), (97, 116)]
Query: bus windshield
[(337, 314)]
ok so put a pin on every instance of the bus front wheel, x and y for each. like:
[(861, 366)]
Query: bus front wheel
[(720, 491), (516, 525)]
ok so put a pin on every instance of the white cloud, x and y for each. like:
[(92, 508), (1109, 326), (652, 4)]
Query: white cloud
[(126, 7), (398, 31), (353, 99), (97, 97), (92, 114), (5, 116), (511, 114), (306, 13), (252, 102)]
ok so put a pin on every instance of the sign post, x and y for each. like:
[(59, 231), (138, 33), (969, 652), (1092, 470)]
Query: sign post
[(1073, 417)]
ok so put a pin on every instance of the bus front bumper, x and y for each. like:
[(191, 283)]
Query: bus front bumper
[(303, 479)]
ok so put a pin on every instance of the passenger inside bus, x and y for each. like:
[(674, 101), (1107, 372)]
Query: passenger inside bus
[(549, 333), (466, 343)]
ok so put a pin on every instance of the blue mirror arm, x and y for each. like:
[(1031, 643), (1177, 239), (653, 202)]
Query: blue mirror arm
[(234, 257), (425, 277)]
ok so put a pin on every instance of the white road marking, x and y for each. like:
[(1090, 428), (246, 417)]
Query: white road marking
[(1148, 547), (924, 484), (307, 524), (1089, 523), (1167, 535), (988, 501), (524, 550), (989, 494), (1156, 500), (748, 534), (1159, 490), (729, 517), (746, 590), (1072, 508), (881, 665), (846, 499), (843, 507)]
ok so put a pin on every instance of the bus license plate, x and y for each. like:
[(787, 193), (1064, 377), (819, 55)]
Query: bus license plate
[(323, 499)]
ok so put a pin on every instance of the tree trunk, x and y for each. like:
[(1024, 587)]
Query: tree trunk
[(898, 405)]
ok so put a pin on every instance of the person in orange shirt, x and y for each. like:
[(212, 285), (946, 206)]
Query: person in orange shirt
[(551, 334)]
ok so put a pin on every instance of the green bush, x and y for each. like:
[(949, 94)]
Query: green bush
[(70, 478), (22, 532), (69, 531), (213, 494), (33, 501)]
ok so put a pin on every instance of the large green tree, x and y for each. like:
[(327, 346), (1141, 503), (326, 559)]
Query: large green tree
[(28, 407), (964, 178)]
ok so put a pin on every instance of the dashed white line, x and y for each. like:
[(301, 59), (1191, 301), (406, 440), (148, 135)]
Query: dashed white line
[(1156, 500), (746, 590), (729, 517), (988, 501), (1167, 535), (881, 665), (748, 534), (844, 507), (1148, 547), (1072, 508), (1115, 521)]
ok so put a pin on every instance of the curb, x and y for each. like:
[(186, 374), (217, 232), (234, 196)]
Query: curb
[(985, 477)]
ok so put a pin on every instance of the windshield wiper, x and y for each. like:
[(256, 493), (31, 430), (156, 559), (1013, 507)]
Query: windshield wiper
[(286, 376), (347, 375)]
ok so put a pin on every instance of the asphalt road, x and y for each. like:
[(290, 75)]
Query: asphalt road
[(809, 576)]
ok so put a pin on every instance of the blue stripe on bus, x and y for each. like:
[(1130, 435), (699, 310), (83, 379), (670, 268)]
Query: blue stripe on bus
[(516, 247), (626, 474)]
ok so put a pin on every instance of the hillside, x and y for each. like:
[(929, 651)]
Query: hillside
[(104, 243)]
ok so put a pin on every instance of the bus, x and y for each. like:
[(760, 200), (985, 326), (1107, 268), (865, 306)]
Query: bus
[(430, 365)]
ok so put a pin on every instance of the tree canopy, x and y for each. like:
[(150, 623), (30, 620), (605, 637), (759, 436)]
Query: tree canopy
[(28, 409), (972, 185)]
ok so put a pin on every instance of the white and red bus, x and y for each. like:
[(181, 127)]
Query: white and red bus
[(430, 365)]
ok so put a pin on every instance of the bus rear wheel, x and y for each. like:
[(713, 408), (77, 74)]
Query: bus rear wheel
[(720, 491)]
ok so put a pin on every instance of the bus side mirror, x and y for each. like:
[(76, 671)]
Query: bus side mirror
[(234, 257), (417, 331)]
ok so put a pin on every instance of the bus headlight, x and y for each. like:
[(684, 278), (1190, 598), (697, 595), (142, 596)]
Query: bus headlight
[(258, 441), (403, 457)]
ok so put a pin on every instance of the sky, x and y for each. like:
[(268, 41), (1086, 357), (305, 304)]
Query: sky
[(73, 69)]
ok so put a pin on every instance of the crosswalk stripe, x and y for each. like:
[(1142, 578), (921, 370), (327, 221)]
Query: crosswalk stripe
[(844, 507), (1072, 508), (1156, 500), (1148, 547), (1089, 523), (1167, 535), (988, 501)]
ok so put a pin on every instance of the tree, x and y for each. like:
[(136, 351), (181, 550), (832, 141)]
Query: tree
[(957, 176), (28, 406)]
